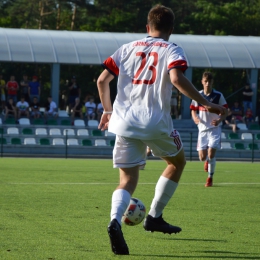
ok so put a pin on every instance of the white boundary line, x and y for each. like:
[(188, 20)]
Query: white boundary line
[(115, 183)]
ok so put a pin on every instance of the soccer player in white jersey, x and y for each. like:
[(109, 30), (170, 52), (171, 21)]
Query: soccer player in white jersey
[(140, 117), (209, 125)]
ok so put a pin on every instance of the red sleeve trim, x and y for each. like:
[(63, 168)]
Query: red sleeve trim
[(179, 64), (201, 108), (193, 107), (226, 105), (110, 64)]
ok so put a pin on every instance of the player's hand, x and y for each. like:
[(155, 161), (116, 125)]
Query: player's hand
[(215, 122), (196, 120), (104, 121), (216, 109)]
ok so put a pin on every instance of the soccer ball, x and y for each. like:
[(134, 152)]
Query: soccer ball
[(134, 213)]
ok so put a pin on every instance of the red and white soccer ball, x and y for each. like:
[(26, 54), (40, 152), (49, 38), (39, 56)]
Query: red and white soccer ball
[(134, 213)]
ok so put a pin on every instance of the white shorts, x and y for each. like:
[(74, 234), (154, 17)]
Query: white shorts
[(209, 139), (130, 152)]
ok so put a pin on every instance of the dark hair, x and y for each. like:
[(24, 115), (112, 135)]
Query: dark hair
[(22, 96), (161, 18), (208, 75)]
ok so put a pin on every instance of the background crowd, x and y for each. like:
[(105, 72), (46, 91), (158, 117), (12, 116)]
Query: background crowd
[(25, 99)]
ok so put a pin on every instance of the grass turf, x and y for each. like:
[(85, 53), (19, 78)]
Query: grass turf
[(55, 209)]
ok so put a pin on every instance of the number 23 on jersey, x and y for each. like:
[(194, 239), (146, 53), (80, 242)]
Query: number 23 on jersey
[(145, 59)]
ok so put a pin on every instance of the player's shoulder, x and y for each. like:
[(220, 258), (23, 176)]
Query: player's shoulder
[(217, 92)]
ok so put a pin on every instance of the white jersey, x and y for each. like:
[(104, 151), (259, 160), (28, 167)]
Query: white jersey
[(53, 107), (142, 105), (206, 117), (90, 107), (22, 105)]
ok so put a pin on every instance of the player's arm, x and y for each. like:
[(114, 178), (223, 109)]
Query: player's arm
[(195, 117), (104, 94), (186, 87), (216, 122), (221, 118)]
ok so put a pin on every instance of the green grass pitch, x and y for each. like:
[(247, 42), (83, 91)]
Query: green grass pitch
[(58, 209)]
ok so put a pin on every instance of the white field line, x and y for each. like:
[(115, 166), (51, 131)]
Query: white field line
[(115, 183)]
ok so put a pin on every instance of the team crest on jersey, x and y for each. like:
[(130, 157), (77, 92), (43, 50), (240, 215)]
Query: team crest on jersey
[(212, 99)]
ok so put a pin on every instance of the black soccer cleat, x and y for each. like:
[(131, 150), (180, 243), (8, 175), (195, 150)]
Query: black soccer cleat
[(159, 225), (117, 241)]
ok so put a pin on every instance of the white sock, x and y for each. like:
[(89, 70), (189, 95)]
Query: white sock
[(164, 190), (211, 166), (120, 202)]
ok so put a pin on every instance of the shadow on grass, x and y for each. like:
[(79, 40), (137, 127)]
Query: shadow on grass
[(244, 256), (225, 252), (195, 239)]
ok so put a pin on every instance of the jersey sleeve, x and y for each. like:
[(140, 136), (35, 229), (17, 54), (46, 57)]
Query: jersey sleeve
[(112, 63), (176, 59), (194, 105), (222, 101)]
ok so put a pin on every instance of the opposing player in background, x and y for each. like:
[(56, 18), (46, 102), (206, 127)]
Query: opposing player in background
[(209, 125), (140, 117)]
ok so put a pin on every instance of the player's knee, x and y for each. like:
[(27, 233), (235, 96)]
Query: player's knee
[(202, 158)]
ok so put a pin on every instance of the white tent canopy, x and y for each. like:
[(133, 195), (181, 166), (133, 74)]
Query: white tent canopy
[(68, 47)]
